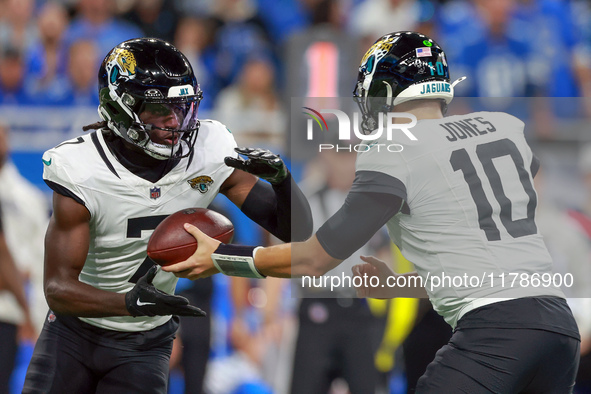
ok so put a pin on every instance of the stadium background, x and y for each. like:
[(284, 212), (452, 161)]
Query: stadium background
[(252, 56)]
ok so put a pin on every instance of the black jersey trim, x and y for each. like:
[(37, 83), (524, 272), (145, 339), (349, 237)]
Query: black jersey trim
[(64, 191), (79, 140), (102, 153), (190, 159), (535, 166)]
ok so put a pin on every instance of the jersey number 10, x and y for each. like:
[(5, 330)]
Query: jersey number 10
[(460, 161)]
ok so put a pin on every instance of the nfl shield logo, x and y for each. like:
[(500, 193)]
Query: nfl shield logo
[(154, 192)]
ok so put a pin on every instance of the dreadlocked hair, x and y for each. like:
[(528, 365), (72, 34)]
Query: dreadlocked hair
[(95, 126)]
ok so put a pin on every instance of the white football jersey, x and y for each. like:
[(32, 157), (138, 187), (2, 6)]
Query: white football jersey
[(125, 208), (468, 184)]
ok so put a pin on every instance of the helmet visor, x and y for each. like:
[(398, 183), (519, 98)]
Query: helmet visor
[(179, 117)]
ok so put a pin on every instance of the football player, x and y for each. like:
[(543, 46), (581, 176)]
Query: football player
[(459, 202), (112, 319)]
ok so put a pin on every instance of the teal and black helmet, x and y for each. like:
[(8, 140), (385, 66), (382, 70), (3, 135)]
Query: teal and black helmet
[(149, 74), (400, 67)]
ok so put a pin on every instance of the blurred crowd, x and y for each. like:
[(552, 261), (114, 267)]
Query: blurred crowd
[(251, 57)]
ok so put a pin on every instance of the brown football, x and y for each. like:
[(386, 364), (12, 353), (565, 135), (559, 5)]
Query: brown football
[(170, 243)]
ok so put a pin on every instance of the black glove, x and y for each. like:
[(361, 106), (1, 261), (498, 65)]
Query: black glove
[(146, 300), (260, 162)]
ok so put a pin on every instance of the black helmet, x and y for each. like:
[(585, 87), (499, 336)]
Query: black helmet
[(149, 74), (400, 67)]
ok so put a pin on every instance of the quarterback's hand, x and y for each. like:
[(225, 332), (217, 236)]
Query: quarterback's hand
[(260, 162), (199, 265), (386, 283), (373, 268), (146, 300)]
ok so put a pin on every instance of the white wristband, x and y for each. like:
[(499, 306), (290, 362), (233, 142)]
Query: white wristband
[(236, 260)]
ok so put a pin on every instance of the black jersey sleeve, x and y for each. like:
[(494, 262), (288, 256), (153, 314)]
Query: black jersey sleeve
[(373, 200)]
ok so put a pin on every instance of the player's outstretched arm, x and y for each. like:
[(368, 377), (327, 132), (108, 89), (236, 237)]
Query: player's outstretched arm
[(66, 247), (282, 261), (346, 231), (269, 204)]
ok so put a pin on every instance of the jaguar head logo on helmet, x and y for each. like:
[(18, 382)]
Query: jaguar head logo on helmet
[(120, 64), (145, 79), (400, 67)]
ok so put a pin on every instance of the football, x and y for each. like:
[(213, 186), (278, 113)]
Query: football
[(170, 243)]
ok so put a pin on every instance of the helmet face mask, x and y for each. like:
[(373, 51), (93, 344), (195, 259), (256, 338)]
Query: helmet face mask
[(181, 137), (150, 75), (400, 67)]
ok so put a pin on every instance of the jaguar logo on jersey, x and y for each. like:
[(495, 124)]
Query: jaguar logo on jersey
[(201, 183), (155, 193), (121, 63)]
